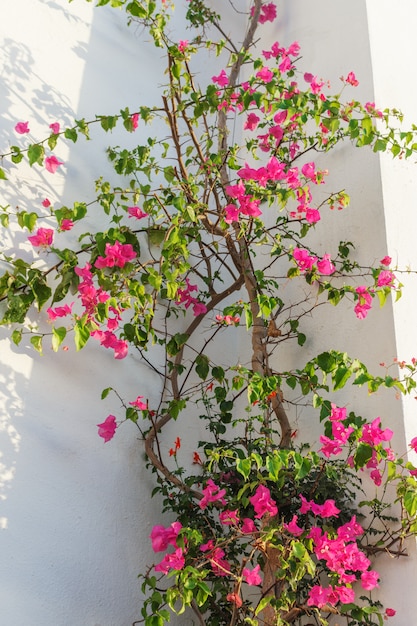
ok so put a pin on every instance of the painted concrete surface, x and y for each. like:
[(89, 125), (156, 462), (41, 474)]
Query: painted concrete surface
[(75, 513)]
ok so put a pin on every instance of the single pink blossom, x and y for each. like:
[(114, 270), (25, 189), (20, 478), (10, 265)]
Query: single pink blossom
[(162, 537), (293, 528), (107, 429), (386, 278), (182, 45), (413, 444), (369, 579), (46, 203), (229, 518), (303, 259), (59, 311), (43, 238), (390, 612), (222, 79), (252, 122), (199, 308), (212, 493), (386, 260), (22, 128), (268, 13), (52, 164), (174, 561), (337, 414), (265, 75), (135, 211), (351, 79), (364, 303), (55, 127), (235, 599), (248, 526), (252, 577), (139, 404), (66, 224), (263, 503), (134, 118), (313, 216)]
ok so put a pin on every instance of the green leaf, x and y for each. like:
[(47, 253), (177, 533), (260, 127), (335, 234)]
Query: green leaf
[(58, 336), (340, 377), (71, 134), (363, 455), (36, 154), (202, 366), (410, 502), (2, 174), (36, 342), (243, 466), (82, 335), (106, 392), (273, 465), (17, 336)]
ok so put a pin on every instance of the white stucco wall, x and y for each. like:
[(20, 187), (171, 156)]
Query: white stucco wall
[(75, 514)]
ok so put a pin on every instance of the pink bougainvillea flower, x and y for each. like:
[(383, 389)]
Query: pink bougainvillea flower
[(351, 79), (229, 518), (413, 444), (222, 79), (390, 612), (66, 224), (174, 561), (139, 404), (59, 311), (182, 45), (135, 211), (248, 526), (364, 304), (312, 216), (337, 413), (303, 259), (107, 429), (386, 278), (235, 599), (52, 164), (212, 493), (55, 127), (293, 528), (199, 308), (268, 13), (369, 580), (386, 260), (43, 238), (117, 255), (252, 122), (252, 577), (135, 120), (325, 266), (46, 203), (263, 503), (265, 75), (162, 537), (22, 128)]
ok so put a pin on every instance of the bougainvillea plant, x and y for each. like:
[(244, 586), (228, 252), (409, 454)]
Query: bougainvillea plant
[(201, 237)]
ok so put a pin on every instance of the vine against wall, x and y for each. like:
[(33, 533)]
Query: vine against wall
[(201, 234)]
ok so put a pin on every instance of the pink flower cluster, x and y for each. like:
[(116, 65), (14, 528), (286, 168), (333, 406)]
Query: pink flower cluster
[(343, 557), (228, 320), (184, 297), (42, 239), (268, 12), (91, 298), (306, 262), (117, 255)]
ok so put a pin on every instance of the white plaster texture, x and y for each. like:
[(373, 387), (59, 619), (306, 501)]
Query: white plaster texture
[(76, 514)]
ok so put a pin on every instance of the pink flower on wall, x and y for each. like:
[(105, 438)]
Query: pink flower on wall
[(22, 128), (52, 164), (107, 429)]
